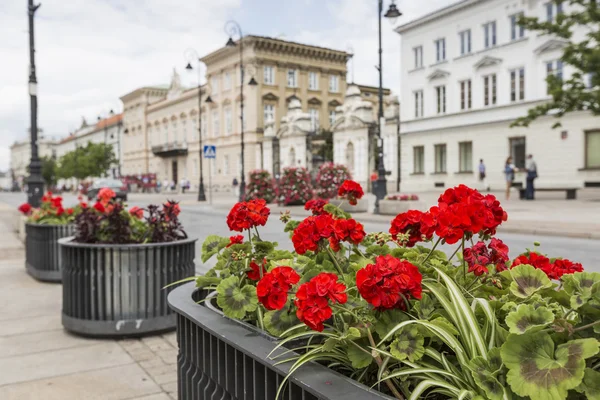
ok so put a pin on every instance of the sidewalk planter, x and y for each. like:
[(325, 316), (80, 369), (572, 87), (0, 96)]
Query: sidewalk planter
[(42, 252), (395, 207), (117, 290), (221, 359), (361, 206)]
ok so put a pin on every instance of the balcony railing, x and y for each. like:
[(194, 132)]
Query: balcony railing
[(170, 149)]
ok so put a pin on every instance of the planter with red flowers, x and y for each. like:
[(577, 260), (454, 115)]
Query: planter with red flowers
[(354, 311), (294, 186), (395, 204), (43, 227), (117, 265)]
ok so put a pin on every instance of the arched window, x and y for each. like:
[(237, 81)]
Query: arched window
[(350, 157)]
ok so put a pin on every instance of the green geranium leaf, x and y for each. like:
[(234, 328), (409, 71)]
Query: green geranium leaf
[(535, 370), (264, 248), (425, 307), (388, 319), (212, 245), (527, 318), (235, 301), (527, 280), (485, 375), (408, 344), (582, 286), (280, 255), (353, 333), (330, 343), (358, 357), (278, 321), (204, 281), (590, 385), (378, 250), (291, 225), (336, 212)]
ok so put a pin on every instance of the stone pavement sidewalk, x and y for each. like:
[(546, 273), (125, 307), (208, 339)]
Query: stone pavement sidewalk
[(40, 360)]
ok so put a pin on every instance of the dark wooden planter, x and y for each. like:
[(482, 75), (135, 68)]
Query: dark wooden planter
[(42, 252), (118, 290), (221, 359)]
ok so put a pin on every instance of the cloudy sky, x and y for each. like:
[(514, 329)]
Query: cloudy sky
[(90, 52)]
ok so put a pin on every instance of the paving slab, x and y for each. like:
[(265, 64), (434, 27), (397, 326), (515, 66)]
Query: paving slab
[(39, 342), (28, 325), (120, 383)]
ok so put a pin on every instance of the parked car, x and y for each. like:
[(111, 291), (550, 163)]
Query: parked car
[(116, 185)]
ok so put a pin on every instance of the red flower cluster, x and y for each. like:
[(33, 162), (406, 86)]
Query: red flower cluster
[(351, 191), (171, 208), (137, 212), (310, 231), (99, 207), (273, 287), (105, 195), (256, 273), (316, 206), (419, 225), (312, 299), (479, 256), (389, 283), (25, 208), (237, 239), (346, 230), (554, 270), (245, 215)]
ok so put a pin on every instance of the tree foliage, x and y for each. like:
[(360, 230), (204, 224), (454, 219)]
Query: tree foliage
[(49, 170), (581, 91), (94, 159)]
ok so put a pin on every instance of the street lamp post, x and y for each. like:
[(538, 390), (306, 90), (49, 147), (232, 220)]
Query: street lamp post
[(35, 183), (189, 67), (381, 188)]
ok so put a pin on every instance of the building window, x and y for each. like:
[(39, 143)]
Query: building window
[(269, 113), (465, 157), (214, 84), (552, 10), (554, 68), (465, 95), (314, 119), (228, 121), (418, 159), (489, 32), (440, 92), (332, 117), (204, 125), (292, 78), (516, 31), (465, 42), (334, 83), (215, 121), (517, 151), (592, 149), (418, 52), (268, 75), (517, 84), (489, 90), (226, 81), (440, 158), (313, 81), (418, 103), (440, 50)]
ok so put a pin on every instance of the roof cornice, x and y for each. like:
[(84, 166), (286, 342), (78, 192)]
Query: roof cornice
[(435, 15)]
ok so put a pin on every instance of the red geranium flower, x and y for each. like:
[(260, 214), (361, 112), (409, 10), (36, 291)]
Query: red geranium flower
[(553, 270), (56, 202), (273, 287), (387, 283), (237, 239), (419, 225), (69, 211), (349, 230), (83, 204), (308, 234), (99, 207), (312, 299), (25, 208), (479, 256), (351, 191), (105, 195), (245, 215), (316, 206), (562, 266), (255, 274), (137, 212), (172, 207)]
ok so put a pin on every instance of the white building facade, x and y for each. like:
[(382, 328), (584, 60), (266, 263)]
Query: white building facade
[(20, 157), (468, 71)]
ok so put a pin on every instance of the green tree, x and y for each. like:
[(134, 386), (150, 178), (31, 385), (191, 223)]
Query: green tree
[(49, 170), (573, 94), (92, 160)]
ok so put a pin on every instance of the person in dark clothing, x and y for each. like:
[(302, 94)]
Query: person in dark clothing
[(531, 176)]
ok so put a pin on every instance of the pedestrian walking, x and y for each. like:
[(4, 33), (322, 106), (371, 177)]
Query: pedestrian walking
[(235, 186), (166, 185), (531, 176), (482, 176), (509, 173), (182, 185)]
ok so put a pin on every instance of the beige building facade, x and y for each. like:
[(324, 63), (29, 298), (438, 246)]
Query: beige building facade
[(20, 157)]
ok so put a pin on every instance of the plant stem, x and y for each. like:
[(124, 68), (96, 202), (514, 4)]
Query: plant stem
[(259, 318), (260, 267), (586, 326), (335, 261), (379, 361), (453, 254), (257, 234), (463, 260), (432, 250)]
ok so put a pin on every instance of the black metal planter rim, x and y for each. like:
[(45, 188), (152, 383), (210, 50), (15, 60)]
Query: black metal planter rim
[(314, 378), (68, 242), (39, 274)]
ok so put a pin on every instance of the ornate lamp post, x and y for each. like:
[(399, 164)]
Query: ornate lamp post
[(381, 189), (193, 55), (232, 28), (35, 183)]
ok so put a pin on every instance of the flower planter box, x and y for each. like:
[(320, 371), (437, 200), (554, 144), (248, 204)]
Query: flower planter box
[(361, 206), (42, 252), (118, 290), (221, 359), (395, 207)]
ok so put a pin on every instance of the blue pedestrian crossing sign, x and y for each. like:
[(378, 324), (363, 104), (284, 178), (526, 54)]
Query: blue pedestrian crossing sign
[(210, 151)]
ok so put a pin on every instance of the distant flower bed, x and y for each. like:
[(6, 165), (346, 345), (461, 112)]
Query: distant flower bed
[(402, 197), (261, 186), (51, 211), (294, 186), (330, 178)]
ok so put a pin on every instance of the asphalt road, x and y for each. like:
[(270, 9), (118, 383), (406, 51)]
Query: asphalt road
[(201, 221)]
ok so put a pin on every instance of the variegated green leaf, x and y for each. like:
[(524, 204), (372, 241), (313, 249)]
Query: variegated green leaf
[(408, 344), (528, 280), (527, 318), (235, 301)]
